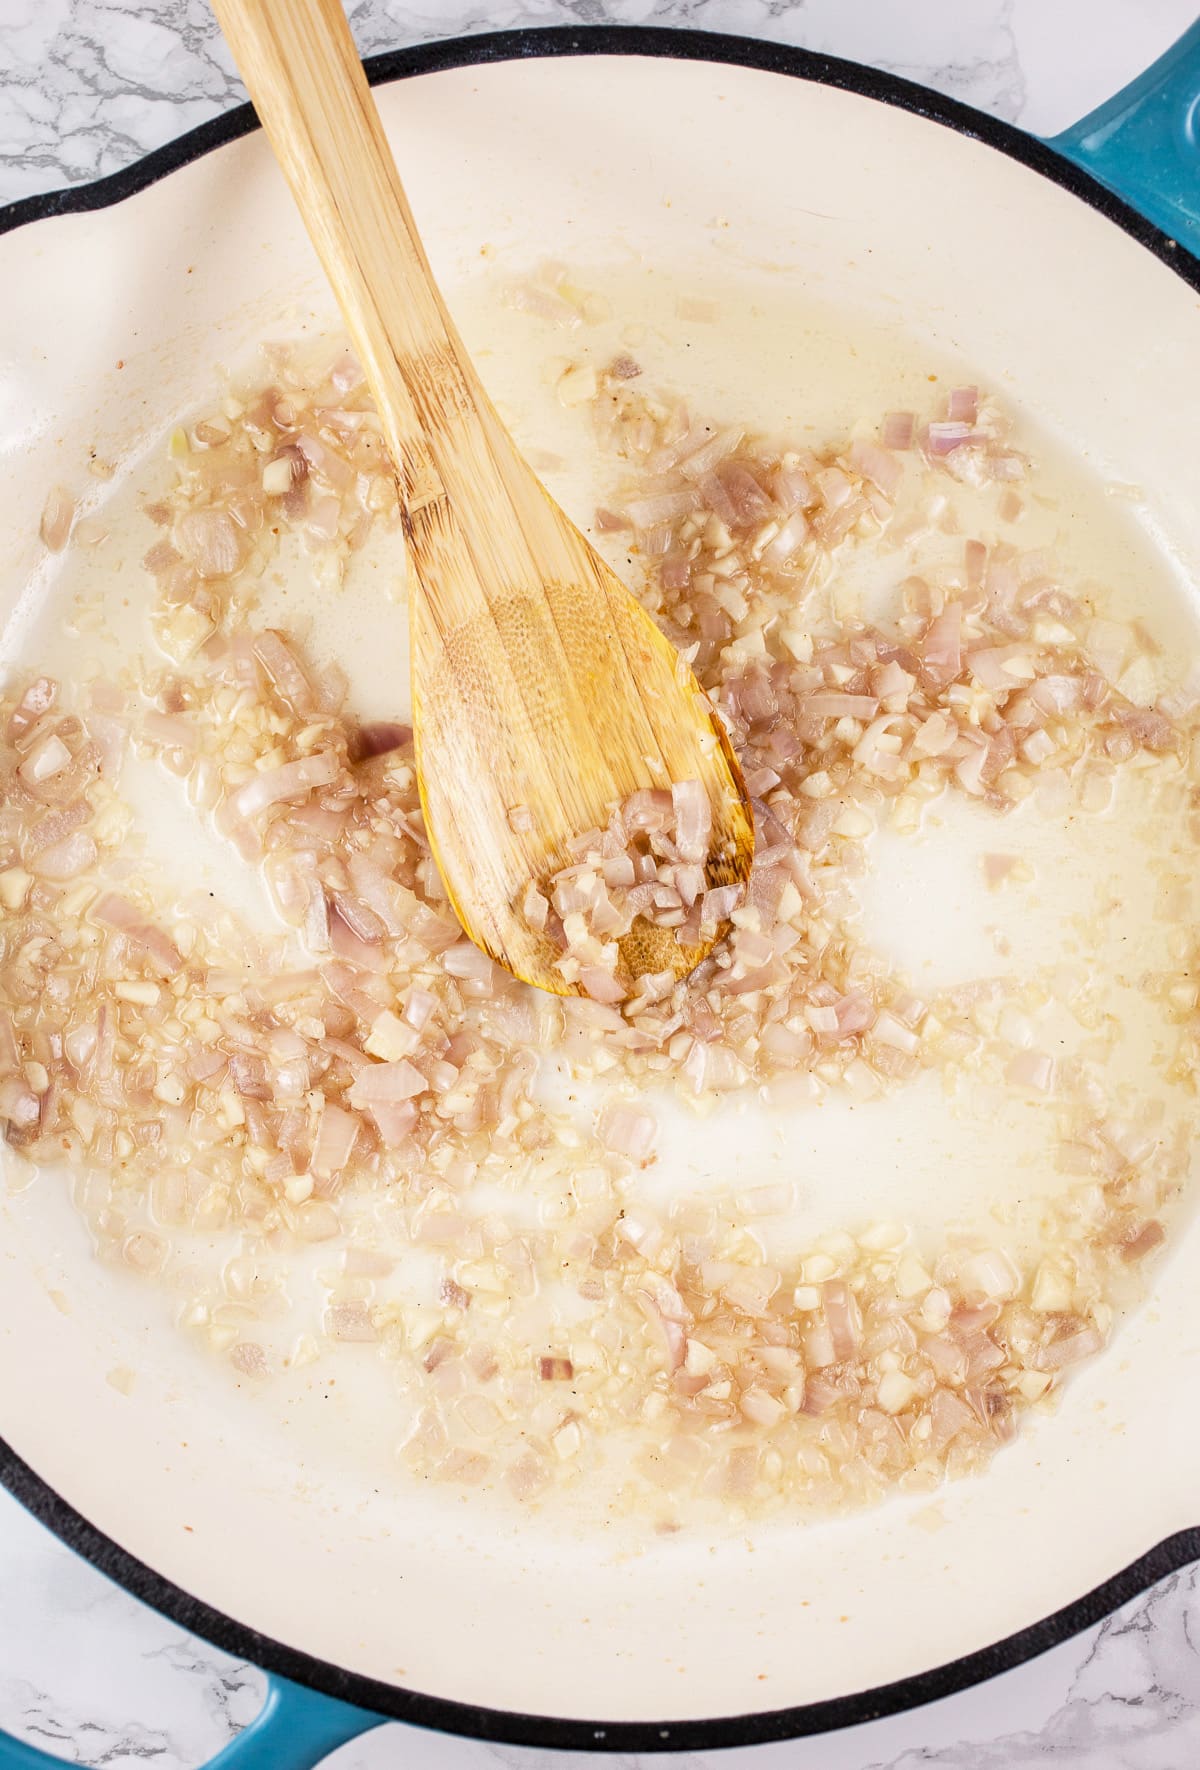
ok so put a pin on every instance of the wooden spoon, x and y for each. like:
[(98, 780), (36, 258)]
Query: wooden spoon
[(542, 693)]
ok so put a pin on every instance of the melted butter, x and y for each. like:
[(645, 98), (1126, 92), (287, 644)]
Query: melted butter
[(924, 1156), (802, 374)]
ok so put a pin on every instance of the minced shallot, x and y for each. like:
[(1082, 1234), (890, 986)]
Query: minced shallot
[(201, 1079)]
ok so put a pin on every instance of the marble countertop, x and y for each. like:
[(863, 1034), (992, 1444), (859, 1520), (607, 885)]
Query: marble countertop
[(86, 1672)]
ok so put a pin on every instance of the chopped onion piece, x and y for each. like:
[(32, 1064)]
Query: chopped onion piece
[(1031, 1069), (336, 1137), (628, 1131), (289, 781), (384, 1082), (65, 859), (119, 913), (58, 516)]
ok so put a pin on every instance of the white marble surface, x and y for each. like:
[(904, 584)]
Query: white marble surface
[(85, 87)]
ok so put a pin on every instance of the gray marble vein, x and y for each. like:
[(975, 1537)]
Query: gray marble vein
[(86, 86)]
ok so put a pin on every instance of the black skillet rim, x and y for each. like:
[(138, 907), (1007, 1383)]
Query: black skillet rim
[(388, 1701)]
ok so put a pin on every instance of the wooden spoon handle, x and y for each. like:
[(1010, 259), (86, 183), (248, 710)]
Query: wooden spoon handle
[(303, 72)]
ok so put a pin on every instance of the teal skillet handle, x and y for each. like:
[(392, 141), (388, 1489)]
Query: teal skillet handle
[(1144, 144), (294, 1730)]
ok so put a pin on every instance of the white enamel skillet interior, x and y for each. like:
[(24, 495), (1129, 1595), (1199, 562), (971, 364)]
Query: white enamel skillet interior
[(888, 199)]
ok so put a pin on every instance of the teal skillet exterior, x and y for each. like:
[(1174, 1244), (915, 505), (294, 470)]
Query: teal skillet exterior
[(1144, 144)]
